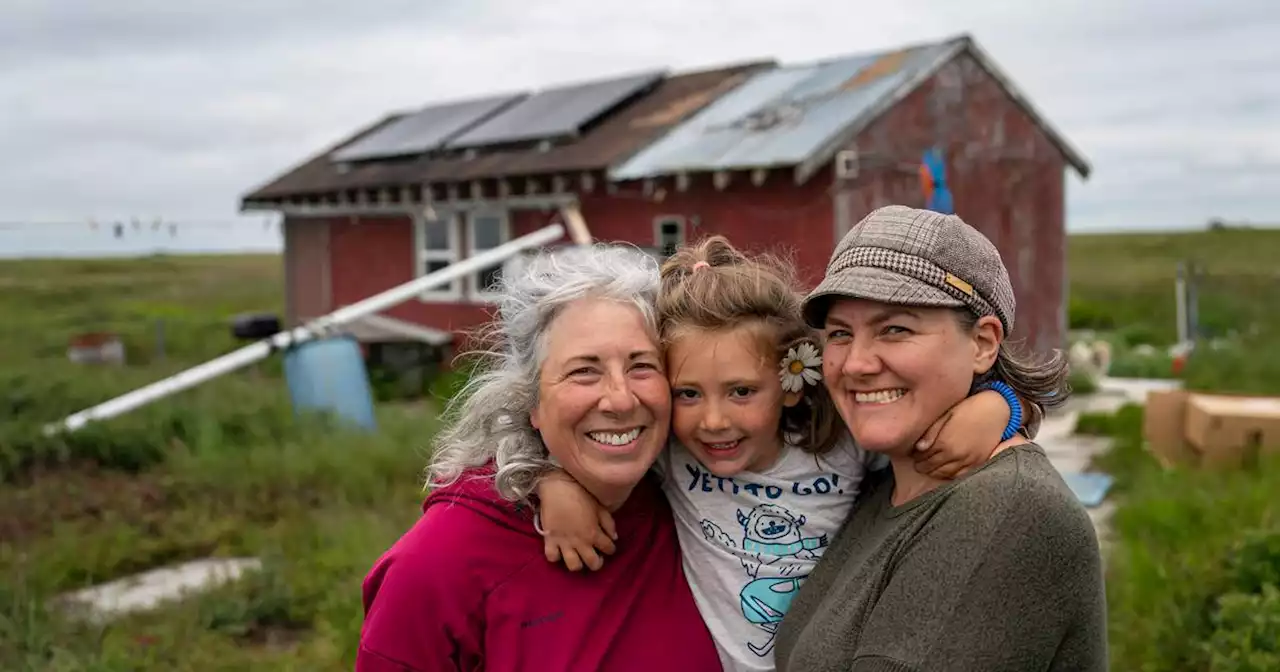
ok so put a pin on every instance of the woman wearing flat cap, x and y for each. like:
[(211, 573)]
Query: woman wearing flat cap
[(998, 570)]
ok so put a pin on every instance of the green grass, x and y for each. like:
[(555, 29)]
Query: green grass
[(1194, 564), (1122, 286), (1194, 559), (45, 302), (1125, 283), (225, 469)]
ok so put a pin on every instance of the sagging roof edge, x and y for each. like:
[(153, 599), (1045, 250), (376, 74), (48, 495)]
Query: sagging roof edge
[(1073, 155), (960, 45), (247, 196)]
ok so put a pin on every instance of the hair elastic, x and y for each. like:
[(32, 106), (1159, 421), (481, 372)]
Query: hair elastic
[(700, 265), (1015, 406)]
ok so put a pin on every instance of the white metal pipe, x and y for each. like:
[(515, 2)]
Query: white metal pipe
[(260, 350)]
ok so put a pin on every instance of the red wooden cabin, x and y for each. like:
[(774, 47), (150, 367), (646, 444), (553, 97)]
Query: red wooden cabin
[(775, 157)]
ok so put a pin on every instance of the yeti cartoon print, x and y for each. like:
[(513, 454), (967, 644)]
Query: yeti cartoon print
[(770, 534)]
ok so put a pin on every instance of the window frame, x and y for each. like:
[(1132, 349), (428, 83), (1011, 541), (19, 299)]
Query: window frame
[(658, 221), (423, 256), (503, 217)]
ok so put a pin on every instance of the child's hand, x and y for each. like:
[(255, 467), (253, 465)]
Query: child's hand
[(573, 524), (965, 436)]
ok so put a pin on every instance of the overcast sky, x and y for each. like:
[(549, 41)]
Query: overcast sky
[(176, 109)]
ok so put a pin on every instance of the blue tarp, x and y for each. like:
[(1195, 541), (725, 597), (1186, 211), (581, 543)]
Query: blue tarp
[(1090, 488)]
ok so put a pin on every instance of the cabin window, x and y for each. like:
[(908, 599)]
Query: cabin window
[(668, 234), (487, 230), (437, 248)]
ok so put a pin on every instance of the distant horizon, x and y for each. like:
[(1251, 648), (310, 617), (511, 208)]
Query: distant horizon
[(254, 236)]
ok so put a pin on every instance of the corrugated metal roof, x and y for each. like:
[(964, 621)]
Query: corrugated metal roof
[(782, 117)]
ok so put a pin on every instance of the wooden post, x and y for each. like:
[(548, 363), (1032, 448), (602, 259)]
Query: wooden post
[(576, 225)]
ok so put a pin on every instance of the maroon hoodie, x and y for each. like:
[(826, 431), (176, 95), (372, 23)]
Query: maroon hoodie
[(468, 588)]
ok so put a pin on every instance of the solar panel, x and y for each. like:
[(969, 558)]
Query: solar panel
[(424, 130), (554, 112)]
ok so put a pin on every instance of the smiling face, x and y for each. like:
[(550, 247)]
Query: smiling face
[(893, 370), (604, 407), (728, 398)]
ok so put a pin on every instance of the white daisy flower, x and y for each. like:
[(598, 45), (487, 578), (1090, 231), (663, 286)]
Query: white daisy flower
[(801, 366)]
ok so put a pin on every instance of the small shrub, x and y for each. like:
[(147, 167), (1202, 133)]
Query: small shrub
[(1133, 335), (257, 602), (1254, 562), (1125, 423), (1246, 632), (1084, 314)]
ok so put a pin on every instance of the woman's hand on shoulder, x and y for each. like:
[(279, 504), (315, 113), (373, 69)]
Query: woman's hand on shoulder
[(574, 526)]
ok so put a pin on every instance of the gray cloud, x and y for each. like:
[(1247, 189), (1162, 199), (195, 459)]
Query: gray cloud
[(68, 30), (177, 109)]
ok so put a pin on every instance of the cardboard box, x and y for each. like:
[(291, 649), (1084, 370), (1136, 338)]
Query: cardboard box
[(1211, 430), (1233, 431), (1164, 428)]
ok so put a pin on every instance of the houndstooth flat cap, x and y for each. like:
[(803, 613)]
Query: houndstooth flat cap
[(912, 257)]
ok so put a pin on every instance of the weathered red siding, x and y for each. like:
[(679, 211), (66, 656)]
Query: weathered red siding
[(373, 254), (776, 216), (1007, 180)]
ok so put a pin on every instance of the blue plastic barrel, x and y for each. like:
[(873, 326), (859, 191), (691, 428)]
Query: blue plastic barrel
[(328, 375)]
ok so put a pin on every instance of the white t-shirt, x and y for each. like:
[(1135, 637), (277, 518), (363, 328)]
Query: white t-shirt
[(749, 541)]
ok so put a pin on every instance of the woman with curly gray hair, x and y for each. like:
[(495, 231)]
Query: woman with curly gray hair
[(575, 381)]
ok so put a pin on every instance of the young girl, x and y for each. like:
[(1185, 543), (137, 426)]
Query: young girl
[(760, 472)]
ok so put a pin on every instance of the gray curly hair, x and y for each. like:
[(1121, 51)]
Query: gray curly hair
[(489, 419)]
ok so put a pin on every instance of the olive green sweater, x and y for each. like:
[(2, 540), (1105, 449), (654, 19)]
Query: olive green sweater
[(997, 571)]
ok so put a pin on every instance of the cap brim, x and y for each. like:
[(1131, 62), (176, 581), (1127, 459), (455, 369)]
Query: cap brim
[(872, 284)]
